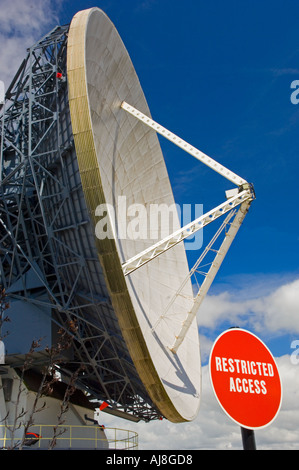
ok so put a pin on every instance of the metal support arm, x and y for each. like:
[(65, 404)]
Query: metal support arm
[(222, 170), (221, 253), (243, 196), (168, 242)]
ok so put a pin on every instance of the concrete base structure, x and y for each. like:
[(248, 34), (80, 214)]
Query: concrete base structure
[(19, 404)]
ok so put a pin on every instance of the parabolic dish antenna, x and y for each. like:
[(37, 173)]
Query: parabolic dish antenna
[(121, 160), (89, 229)]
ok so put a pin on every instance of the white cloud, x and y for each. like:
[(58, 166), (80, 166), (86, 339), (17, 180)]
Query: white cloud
[(278, 72), (277, 311), (24, 16), (273, 312), (283, 432), (23, 22), (217, 308), (280, 310), (213, 429)]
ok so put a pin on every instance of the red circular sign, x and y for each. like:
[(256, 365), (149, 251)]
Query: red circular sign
[(245, 378)]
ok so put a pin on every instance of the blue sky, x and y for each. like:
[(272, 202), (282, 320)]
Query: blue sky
[(219, 75)]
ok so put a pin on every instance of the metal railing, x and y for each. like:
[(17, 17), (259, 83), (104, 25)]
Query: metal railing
[(69, 437)]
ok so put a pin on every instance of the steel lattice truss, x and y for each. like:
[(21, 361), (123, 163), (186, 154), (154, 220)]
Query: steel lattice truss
[(45, 228)]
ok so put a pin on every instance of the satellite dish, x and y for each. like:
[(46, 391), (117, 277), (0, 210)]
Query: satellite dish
[(80, 157), (120, 159)]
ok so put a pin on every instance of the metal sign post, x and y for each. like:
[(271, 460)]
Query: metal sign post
[(248, 439), (246, 381)]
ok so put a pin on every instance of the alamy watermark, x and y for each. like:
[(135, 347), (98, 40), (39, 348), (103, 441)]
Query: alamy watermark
[(295, 353), (295, 94), (151, 222)]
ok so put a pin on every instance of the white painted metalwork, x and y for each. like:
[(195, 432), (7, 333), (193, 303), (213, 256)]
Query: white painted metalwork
[(195, 269), (220, 255), (168, 242), (210, 162)]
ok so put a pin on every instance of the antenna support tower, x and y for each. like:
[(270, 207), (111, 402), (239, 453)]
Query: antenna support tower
[(49, 268)]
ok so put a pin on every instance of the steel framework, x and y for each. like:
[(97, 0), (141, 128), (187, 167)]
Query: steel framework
[(45, 231)]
